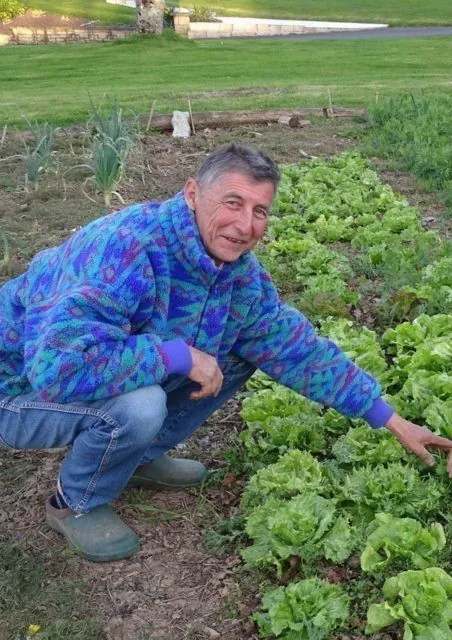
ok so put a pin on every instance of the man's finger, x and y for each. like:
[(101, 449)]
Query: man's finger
[(440, 442), (449, 465), (423, 453)]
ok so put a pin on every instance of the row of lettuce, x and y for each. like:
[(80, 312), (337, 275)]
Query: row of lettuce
[(327, 490)]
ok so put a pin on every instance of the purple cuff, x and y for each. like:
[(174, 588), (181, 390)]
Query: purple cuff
[(378, 414), (176, 357)]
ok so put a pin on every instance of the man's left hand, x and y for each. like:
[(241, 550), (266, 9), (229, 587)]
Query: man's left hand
[(417, 439)]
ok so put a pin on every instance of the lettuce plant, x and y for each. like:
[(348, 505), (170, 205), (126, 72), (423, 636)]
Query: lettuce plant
[(295, 472), (420, 599), (359, 343), (277, 401), (307, 610), (307, 526), (396, 488), (394, 539), (368, 446), (422, 364), (267, 441)]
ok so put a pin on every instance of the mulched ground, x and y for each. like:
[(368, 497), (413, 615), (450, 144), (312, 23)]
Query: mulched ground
[(175, 588)]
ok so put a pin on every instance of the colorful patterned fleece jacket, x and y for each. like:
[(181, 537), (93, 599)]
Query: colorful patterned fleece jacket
[(115, 307)]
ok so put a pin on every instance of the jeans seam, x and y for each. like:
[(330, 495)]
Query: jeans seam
[(105, 460), (61, 408)]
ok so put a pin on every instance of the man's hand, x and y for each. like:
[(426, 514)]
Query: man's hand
[(417, 439), (207, 373)]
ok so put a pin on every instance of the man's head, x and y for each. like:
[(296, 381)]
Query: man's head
[(231, 197)]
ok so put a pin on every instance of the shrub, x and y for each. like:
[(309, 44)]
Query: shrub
[(202, 14), (11, 9)]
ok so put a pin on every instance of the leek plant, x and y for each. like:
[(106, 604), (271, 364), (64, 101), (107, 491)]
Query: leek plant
[(110, 142), (5, 262), (38, 155)]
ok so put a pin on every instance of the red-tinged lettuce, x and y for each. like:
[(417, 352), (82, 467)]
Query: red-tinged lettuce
[(420, 599), (391, 540), (394, 488), (307, 610), (295, 472), (306, 526)]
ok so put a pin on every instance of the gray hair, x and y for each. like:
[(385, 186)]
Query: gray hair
[(240, 159)]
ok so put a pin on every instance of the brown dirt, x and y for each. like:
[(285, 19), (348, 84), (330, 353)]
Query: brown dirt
[(175, 587), (40, 20)]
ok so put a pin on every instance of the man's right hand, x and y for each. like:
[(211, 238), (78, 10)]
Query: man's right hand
[(207, 373)]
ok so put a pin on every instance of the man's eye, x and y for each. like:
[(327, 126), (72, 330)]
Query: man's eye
[(233, 204), (261, 214)]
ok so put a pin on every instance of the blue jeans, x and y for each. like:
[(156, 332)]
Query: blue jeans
[(110, 438)]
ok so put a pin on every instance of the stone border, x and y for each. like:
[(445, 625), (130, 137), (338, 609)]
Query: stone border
[(63, 35)]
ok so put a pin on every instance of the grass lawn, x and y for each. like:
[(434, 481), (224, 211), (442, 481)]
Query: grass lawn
[(394, 12), (53, 82), (92, 9)]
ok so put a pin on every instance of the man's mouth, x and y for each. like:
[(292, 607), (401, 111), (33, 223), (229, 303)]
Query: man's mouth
[(235, 240)]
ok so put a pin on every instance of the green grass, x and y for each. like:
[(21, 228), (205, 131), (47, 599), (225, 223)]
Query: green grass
[(415, 131), (394, 12), (90, 9), (53, 82), (32, 592)]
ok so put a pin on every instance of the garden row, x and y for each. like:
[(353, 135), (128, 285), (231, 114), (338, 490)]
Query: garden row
[(331, 500)]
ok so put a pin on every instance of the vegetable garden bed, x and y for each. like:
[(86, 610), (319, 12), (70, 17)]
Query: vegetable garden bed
[(304, 483)]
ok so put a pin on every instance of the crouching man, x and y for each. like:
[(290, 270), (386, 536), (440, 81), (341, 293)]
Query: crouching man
[(122, 341)]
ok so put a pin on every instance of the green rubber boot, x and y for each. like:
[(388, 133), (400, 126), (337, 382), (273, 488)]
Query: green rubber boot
[(168, 474), (99, 535)]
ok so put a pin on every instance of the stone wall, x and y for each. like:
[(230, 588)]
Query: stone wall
[(199, 30), (63, 35)]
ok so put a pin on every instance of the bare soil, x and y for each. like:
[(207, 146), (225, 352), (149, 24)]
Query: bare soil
[(175, 587)]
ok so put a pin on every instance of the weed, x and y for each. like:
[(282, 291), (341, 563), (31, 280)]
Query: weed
[(226, 536)]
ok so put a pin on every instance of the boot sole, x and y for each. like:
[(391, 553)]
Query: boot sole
[(161, 486)]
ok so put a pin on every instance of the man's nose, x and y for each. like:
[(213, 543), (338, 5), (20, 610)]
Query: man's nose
[(244, 222)]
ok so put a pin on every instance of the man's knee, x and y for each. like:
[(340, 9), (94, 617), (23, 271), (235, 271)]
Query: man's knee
[(140, 413)]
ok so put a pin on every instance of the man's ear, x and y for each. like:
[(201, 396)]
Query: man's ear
[(191, 191)]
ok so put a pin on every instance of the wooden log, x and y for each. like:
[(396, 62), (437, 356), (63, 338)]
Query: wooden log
[(214, 119)]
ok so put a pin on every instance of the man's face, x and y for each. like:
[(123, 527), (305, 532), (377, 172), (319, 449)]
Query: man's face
[(231, 213)]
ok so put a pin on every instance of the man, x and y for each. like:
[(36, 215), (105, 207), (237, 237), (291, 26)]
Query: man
[(124, 339)]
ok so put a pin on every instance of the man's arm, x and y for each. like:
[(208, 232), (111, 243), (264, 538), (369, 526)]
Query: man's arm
[(282, 342), (79, 345)]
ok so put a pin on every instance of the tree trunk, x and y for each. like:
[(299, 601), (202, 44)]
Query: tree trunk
[(150, 16)]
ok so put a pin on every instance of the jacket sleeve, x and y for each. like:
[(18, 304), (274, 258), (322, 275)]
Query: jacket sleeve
[(282, 342), (79, 345)]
